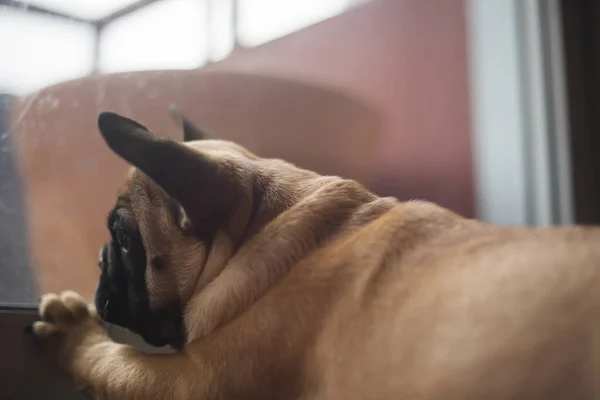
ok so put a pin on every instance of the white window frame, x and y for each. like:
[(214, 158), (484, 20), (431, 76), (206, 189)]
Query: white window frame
[(519, 111)]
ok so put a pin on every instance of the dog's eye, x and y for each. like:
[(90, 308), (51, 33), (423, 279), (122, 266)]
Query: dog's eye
[(124, 241)]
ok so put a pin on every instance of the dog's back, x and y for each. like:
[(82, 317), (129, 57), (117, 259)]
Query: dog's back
[(431, 305)]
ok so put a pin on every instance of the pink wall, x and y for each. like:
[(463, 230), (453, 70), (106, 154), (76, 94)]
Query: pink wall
[(408, 59)]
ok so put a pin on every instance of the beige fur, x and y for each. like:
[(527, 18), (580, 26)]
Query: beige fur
[(322, 290)]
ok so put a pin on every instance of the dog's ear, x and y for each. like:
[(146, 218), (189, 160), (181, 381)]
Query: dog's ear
[(205, 189), (190, 130)]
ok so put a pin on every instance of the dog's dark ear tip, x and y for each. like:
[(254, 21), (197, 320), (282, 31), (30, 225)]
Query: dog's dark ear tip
[(107, 116), (108, 120), (112, 125), (190, 131)]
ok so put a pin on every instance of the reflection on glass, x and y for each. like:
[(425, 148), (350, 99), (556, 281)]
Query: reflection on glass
[(17, 284)]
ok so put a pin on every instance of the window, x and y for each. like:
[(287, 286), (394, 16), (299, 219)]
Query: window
[(74, 44), (164, 35), (28, 40), (372, 90)]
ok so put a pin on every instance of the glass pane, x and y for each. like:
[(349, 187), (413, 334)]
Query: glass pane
[(164, 35), (377, 94)]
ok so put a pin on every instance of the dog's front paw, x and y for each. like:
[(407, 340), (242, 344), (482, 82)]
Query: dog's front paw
[(69, 326)]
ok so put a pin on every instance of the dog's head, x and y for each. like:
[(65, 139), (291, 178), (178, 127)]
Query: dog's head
[(183, 211)]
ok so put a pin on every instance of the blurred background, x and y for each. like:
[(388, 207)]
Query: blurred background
[(487, 107)]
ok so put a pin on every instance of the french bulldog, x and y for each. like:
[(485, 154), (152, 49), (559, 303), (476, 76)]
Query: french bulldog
[(274, 282)]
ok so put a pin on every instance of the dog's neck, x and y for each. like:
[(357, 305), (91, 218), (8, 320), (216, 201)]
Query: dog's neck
[(264, 200), (293, 222)]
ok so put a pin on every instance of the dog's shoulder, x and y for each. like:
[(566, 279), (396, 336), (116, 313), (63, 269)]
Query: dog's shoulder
[(385, 225)]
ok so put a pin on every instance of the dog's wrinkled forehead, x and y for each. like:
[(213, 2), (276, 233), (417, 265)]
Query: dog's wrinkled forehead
[(150, 208)]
